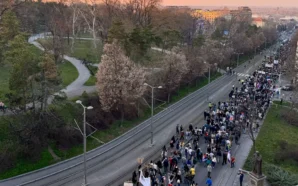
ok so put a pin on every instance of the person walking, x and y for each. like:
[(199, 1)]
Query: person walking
[(241, 177), (209, 170), (134, 178), (233, 162), (224, 158), (209, 182)]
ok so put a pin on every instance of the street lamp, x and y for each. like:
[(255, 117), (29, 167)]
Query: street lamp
[(152, 105), (84, 137), (238, 57), (208, 71)]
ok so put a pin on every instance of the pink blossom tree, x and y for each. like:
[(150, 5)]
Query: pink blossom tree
[(174, 67), (120, 82)]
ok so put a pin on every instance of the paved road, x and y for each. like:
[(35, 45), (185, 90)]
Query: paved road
[(76, 88)]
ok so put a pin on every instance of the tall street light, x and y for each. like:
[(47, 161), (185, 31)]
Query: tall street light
[(84, 137), (152, 105), (208, 71), (238, 57)]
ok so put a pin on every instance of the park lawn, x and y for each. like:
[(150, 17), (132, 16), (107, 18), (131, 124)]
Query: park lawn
[(68, 73), (273, 130), (83, 49), (91, 81)]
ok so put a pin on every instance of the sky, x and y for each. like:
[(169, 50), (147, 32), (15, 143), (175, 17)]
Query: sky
[(280, 3)]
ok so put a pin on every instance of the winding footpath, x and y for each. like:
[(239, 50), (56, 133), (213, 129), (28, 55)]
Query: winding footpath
[(77, 87)]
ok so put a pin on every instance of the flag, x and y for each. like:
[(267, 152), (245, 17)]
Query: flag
[(144, 181), (229, 156)]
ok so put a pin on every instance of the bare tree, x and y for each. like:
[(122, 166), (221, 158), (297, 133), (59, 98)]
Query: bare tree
[(75, 15), (140, 11), (6, 5), (89, 13), (120, 82)]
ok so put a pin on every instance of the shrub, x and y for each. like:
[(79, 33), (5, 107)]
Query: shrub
[(287, 152), (276, 176)]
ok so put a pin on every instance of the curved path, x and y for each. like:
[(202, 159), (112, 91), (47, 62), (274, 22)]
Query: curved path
[(76, 88)]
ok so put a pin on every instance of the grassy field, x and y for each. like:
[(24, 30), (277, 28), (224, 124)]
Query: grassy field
[(275, 129), (68, 73), (83, 49), (114, 131), (91, 81)]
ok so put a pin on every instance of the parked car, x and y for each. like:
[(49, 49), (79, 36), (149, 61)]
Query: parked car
[(287, 87)]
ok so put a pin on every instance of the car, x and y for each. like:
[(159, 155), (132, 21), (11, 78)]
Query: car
[(287, 87)]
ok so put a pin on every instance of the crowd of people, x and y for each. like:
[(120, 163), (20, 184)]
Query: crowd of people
[(224, 123)]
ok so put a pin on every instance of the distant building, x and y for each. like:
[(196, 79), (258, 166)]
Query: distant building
[(258, 21), (210, 15), (242, 14)]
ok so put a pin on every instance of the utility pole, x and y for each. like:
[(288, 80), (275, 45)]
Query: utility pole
[(238, 54), (152, 109)]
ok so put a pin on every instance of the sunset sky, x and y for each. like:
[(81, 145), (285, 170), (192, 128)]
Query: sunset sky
[(288, 3)]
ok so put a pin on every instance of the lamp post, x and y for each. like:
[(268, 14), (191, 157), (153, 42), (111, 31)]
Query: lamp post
[(238, 53), (208, 71), (84, 137), (152, 105)]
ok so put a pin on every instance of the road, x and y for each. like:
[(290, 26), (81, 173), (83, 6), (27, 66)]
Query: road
[(112, 163)]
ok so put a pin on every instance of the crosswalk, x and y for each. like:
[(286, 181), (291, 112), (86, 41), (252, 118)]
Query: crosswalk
[(243, 75)]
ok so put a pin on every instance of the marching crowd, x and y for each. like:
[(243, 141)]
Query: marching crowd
[(225, 122)]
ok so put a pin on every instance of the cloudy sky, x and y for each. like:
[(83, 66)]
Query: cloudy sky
[(288, 3)]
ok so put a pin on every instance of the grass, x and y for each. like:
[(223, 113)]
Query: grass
[(68, 73), (107, 135), (274, 130), (83, 49), (23, 166), (91, 81)]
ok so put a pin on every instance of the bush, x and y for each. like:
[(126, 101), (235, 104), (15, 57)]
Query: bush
[(8, 155), (290, 116), (287, 152), (276, 176)]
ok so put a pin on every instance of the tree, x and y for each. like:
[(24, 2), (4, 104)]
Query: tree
[(8, 5), (140, 11), (49, 78), (120, 82), (174, 66), (24, 66), (9, 28)]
